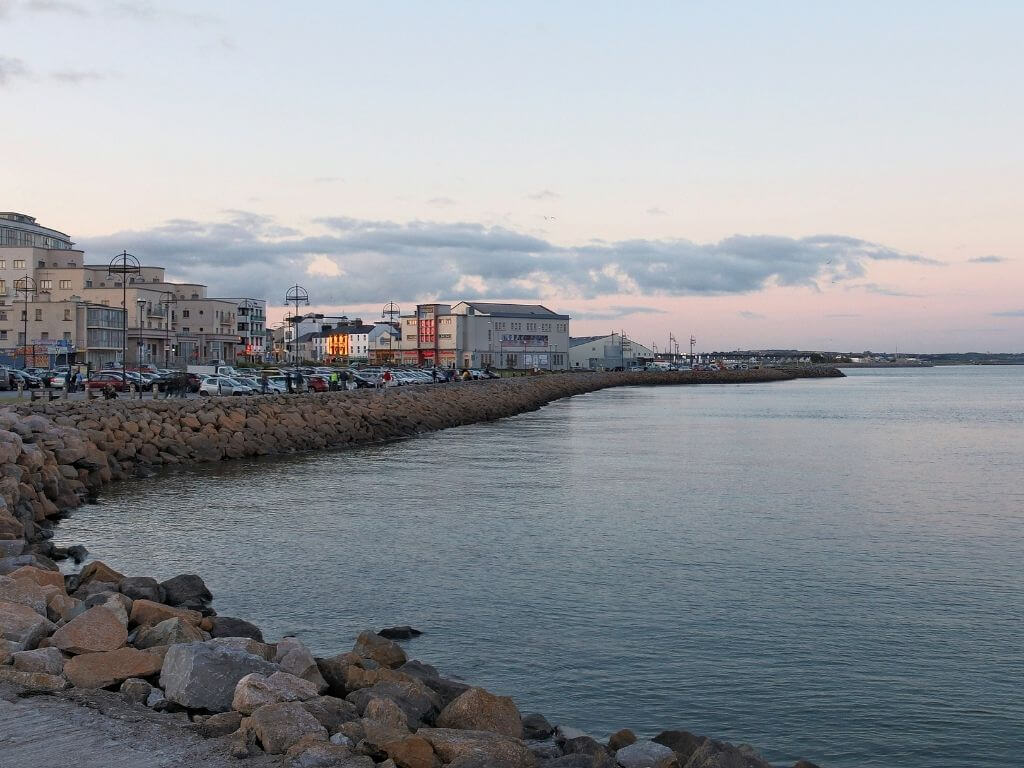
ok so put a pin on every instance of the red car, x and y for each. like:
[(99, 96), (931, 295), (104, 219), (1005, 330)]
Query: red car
[(101, 380), (317, 383)]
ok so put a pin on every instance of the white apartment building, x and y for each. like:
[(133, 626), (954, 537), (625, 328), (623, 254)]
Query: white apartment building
[(478, 334)]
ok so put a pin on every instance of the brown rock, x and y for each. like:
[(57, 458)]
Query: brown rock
[(20, 624), (148, 612), (312, 752), (331, 712), (478, 748), (61, 608), (33, 681), (255, 690), (97, 630), (480, 710), (168, 632), (279, 726), (39, 576), (23, 592), (99, 571), (104, 669), (621, 739), (370, 645), (295, 658), (386, 712), (49, 661), (412, 752), (221, 724)]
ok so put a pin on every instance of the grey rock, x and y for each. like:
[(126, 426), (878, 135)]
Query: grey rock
[(536, 726), (295, 659), (168, 632), (341, 740), (143, 588), (22, 625), (225, 626), (78, 553), (49, 661), (683, 743), (221, 724), (204, 675), (135, 690), (403, 632), (643, 754), (157, 700), (186, 589)]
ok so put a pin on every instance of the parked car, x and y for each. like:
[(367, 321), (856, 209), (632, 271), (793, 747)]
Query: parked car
[(318, 383), (222, 385), (111, 378), (5, 378), (29, 381)]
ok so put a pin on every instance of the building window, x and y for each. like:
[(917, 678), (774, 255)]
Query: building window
[(67, 314), (3, 263), (39, 315), (3, 335), (3, 287), (184, 313), (186, 330), (67, 335), (65, 284), (46, 285), (24, 315), (19, 263), (88, 283), (44, 336), (3, 315)]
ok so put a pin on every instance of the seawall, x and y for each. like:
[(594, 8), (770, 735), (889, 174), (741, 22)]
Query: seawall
[(55, 455)]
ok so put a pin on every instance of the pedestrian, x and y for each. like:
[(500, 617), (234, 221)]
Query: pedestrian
[(288, 381), (385, 380), (434, 374), (298, 382), (264, 382), (184, 385), (466, 375), (78, 380), (334, 381), (344, 380)]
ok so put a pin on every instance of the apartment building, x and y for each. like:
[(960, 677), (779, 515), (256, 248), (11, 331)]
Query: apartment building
[(477, 334)]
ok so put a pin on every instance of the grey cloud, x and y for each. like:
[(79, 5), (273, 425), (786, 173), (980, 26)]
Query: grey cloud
[(441, 202), (614, 312), (11, 69), (76, 77), (250, 253), (148, 12), (656, 211), (883, 290), (751, 315), (57, 6), (987, 260), (1009, 313), (543, 194)]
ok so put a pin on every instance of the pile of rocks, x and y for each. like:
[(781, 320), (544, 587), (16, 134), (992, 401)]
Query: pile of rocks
[(163, 647)]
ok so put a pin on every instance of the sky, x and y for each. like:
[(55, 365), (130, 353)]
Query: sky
[(841, 176)]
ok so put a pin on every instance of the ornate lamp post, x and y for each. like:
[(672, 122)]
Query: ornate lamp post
[(122, 265), (296, 295), (26, 286)]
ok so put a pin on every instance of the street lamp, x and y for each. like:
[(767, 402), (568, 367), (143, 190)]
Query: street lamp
[(296, 295), (26, 286), (167, 300), (124, 264)]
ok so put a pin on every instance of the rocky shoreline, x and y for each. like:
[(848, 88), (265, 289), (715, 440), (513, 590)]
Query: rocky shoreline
[(162, 646)]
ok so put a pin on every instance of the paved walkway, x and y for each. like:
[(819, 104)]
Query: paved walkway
[(97, 729)]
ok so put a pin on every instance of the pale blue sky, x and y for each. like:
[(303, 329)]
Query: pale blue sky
[(893, 123)]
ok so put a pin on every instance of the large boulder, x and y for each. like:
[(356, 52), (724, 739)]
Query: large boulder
[(478, 748), (294, 658), (168, 632), (23, 626), (256, 690), (204, 675), (411, 752), (279, 726), (102, 670), (148, 612), (480, 710), (220, 724), (536, 726), (39, 576), (49, 661), (370, 645), (247, 644), (419, 703), (683, 743), (311, 752), (143, 588), (718, 754), (33, 681), (62, 608), (643, 754), (331, 712), (188, 590), (225, 626), (23, 592), (99, 571), (96, 630)]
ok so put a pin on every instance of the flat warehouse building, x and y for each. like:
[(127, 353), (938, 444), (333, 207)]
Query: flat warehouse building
[(480, 334)]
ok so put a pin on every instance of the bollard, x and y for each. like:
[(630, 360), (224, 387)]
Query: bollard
[(21, 389), (65, 394), (131, 390), (155, 390)]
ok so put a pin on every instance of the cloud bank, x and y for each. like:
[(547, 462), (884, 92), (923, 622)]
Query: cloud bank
[(251, 254)]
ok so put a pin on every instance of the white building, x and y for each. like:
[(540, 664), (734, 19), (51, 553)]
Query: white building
[(607, 352), (479, 334)]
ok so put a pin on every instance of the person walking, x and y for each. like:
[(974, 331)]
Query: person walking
[(385, 380), (433, 374), (264, 383), (298, 382), (288, 381), (79, 384)]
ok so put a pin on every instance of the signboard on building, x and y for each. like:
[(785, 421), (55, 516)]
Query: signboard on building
[(524, 340)]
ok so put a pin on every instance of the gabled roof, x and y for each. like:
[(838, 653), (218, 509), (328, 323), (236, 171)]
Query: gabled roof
[(575, 341), (497, 309)]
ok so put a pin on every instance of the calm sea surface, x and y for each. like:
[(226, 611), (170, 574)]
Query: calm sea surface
[(824, 569)]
